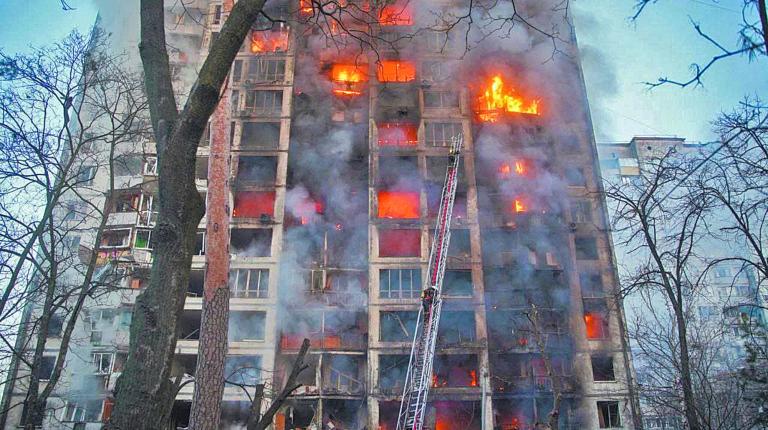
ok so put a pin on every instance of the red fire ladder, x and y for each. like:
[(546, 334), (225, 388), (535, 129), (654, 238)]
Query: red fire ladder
[(418, 379)]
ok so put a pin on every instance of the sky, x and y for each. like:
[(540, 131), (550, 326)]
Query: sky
[(618, 57)]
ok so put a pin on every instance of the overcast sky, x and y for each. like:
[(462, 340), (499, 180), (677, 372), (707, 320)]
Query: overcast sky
[(618, 56)]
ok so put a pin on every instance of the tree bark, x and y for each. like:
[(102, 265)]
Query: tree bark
[(144, 393), (255, 414)]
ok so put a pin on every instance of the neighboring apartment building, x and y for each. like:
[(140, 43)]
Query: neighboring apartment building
[(730, 291), (338, 163)]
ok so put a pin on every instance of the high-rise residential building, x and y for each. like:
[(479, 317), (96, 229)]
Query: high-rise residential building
[(725, 296), (340, 140)]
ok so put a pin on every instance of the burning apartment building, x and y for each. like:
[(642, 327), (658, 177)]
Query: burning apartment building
[(340, 132)]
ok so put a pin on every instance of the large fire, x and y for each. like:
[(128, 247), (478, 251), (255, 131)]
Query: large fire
[(518, 167), (495, 99), (275, 40), (398, 204), (397, 134), (346, 78), (396, 71), (398, 13)]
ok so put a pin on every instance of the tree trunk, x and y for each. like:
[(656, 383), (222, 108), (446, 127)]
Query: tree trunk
[(255, 414), (691, 414), (144, 393), (212, 353)]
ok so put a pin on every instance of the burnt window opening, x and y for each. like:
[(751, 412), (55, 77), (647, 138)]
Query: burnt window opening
[(260, 135), (457, 283), (180, 413), (399, 243), (398, 12), (343, 374), (119, 238), (434, 192), (234, 413), (399, 283), (456, 328), (264, 102), (401, 173), (608, 415), (200, 243), (500, 247), (126, 201), (435, 71), (441, 133), (436, 41), (574, 177), (581, 211), (392, 370), (256, 170), (596, 319), (249, 283), (269, 38), (330, 330), (265, 69), (591, 285), (196, 283), (201, 168), (437, 166), (602, 368), (459, 248), (47, 365), (441, 99), (251, 242), (586, 248), (190, 325), (237, 71), (397, 326), (455, 370), (243, 370), (255, 204), (246, 326)]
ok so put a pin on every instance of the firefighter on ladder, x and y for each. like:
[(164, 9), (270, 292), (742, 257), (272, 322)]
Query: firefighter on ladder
[(427, 298)]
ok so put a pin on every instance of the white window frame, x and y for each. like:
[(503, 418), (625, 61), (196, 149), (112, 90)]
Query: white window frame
[(409, 276), (253, 290), (98, 360), (443, 98), (270, 104), (442, 138)]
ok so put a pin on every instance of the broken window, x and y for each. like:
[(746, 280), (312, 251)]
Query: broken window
[(399, 242), (581, 211), (102, 362), (434, 191), (190, 325), (591, 285), (266, 69), (399, 283), (144, 239), (459, 247), (586, 248), (126, 202), (396, 71), (128, 164), (447, 414), (397, 134), (254, 204), (435, 71), (596, 319), (341, 374), (349, 79), (264, 102), (255, 170), (260, 135), (436, 41), (396, 13), (400, 173), (116, 238), (47, 363), (245, 326), (441, 133), (249, 283), (458, 370), (234, 414), (436, 168), (397, 326), (602, 368), (456, 328), (251, 242), (196, 283), (398, 204), (243, 369), (441, 99), (608, 415), (500, 247), (457, 283), (392, 370)]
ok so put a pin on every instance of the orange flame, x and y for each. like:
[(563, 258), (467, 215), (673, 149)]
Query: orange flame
[(346, 77), (396, 71), (495, 100), (519, 167), (473, 378), (397, 134), (398, 204), (520, 206), (594, 323), (306, 7), (398, 13), (269, 41)]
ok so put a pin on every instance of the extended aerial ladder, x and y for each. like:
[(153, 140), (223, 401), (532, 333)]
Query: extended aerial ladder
[(418, 379)]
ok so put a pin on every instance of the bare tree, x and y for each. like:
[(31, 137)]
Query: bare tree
[(67, 111)]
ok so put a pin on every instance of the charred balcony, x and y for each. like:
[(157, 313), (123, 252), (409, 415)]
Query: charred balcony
[(521, 374), (337, 288), (512, 330), (329, 329), (440, 415)]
